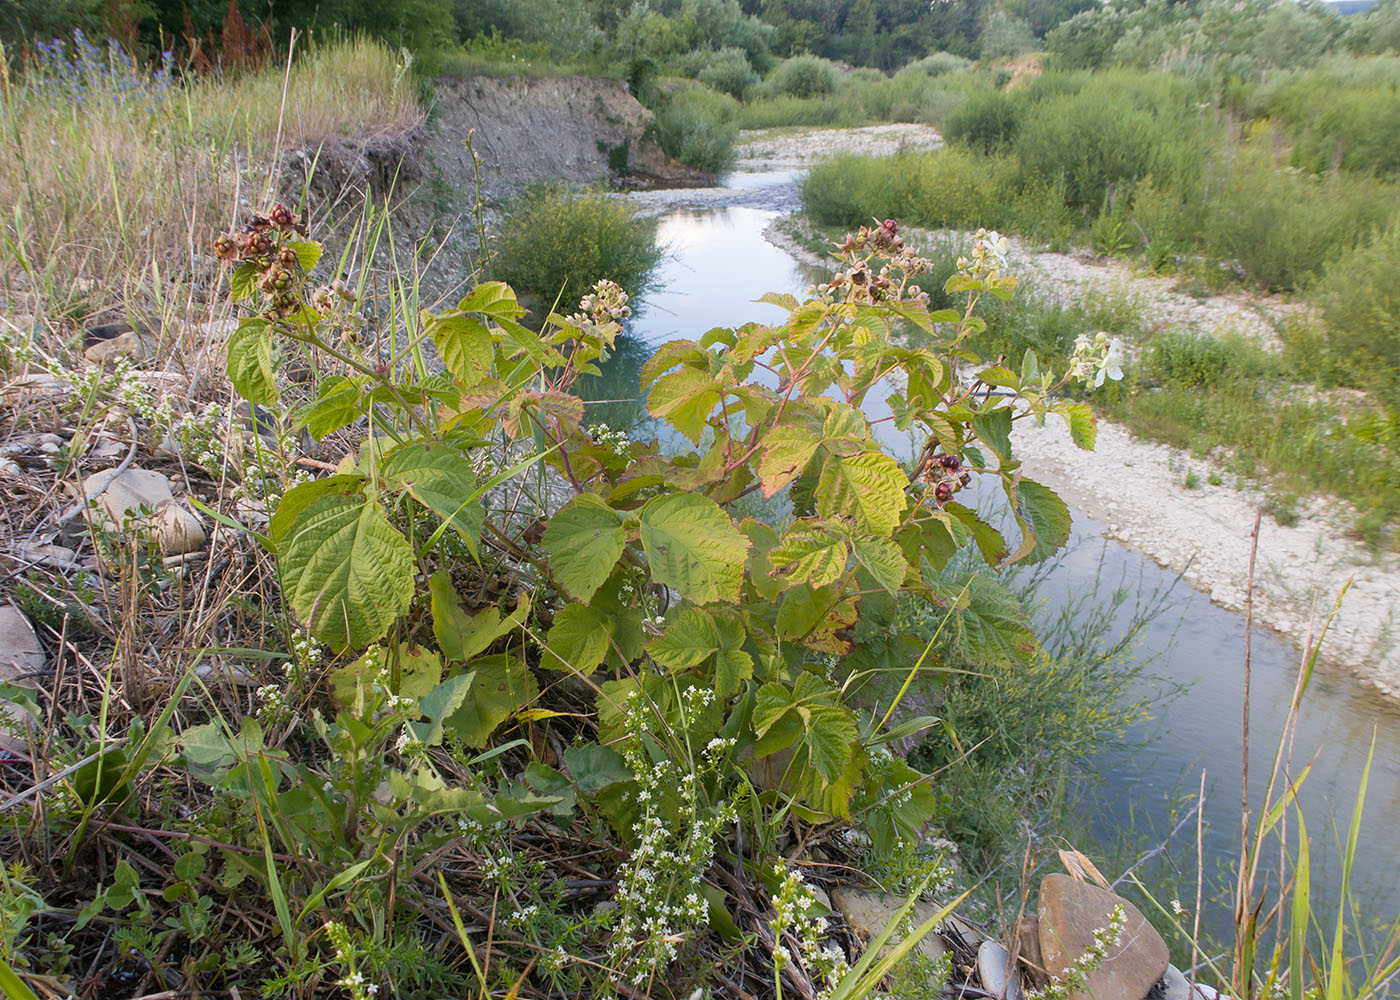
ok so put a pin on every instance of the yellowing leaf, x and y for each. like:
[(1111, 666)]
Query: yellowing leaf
[(692, 545), (868, 486), (686, 398), (810, 554), (464, 345)]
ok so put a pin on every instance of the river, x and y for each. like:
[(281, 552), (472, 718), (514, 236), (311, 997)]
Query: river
[(718, 263)]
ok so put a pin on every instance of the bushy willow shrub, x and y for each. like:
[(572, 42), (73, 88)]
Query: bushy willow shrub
[(556, 240)]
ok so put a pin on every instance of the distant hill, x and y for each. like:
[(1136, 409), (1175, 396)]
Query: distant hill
[(1345, 7)]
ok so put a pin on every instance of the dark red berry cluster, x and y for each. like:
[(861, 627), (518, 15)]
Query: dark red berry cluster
[(945, 473), (262, 243)]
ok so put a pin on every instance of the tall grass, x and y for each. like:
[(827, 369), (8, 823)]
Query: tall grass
[(113, 178)]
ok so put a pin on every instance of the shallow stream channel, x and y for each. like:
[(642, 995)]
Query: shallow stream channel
[(1191, 651)]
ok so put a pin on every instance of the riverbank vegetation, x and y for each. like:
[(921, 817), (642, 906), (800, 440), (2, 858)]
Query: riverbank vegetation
[(410, 679)]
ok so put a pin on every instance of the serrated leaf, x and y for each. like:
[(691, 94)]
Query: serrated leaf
[(308, 253), (346, 571), (299, 497), (787, 448), (1030, 367), (1083, 425), (690, 637), (557, 412), (243, 282), (465, 346), (249, 363), (868, 486), (830, 739), (578, 640), (782, 300), (685, 398), (988, 540), (810, 555), (584, 541), (493, 298), (771, 702), (502, 686), (995, 430), (692, 545), (1046, 514), (1000, 376), (338, 406), (440, 478), (882, 558), (992, 627)]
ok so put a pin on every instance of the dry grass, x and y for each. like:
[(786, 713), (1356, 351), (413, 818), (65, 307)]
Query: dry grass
[(114, 197)]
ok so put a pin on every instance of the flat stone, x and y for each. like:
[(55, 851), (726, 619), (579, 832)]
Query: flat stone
[(998, 976), (20, 650), (48, 555), (21, 654), (1070, 914), (120, 495), (178, 531), (870, 912), (1176, 987), (129, 344)]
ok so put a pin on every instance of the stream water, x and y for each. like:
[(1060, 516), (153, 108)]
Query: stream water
[(719, 263)]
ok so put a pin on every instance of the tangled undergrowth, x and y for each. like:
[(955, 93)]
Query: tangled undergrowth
[(458, 698)]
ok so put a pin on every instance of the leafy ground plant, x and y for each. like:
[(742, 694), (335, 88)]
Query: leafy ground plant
[(615, 692)]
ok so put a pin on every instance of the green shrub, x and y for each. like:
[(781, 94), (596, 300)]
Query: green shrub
[(1360, 301), (1280, 226), (987, 122), (940, 63), (557, 241), (728, 71), (1091, 140), (804, 76), (1004, 35), (1180, 358), (697, 127)]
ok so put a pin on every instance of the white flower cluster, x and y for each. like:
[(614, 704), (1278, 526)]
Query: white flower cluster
[(199, 439), (794, 914), (1097, 358), (991, 256), (1075, 978), (607, 301), (618, 442), (657, 898), (353, 981)]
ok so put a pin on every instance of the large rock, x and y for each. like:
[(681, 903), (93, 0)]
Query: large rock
[(1071, 912), (20, 656), (870, 912), (122, 496)]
